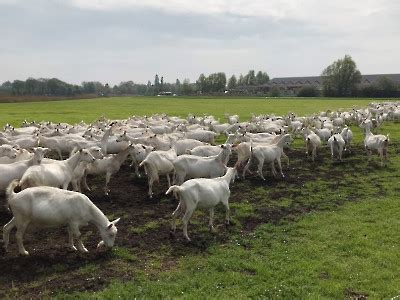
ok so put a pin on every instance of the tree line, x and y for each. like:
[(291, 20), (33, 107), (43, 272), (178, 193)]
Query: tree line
[(215, 83), (340, 79)]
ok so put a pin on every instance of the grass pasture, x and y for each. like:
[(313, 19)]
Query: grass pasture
[(88, 110), (328, 230)]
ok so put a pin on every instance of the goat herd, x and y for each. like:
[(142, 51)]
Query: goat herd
[(177, 148)]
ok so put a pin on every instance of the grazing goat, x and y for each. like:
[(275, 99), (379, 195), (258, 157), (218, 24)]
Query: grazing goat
[(203, 193), (47, 207), (196, 166)]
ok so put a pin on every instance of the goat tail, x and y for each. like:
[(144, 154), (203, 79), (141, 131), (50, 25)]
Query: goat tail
[(150, 170), (175, 189), (10, 191)]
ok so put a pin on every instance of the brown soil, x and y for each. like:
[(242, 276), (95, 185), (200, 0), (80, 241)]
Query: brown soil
[(52, 267)]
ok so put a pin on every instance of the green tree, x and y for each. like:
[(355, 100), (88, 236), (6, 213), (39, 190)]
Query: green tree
[(241, 80), (6, 86), (341, 78), (202, 84), (308, 91), (88, 87), (274, 92), (187, 88), (262, 77), (18, 87), (232, 82), (387, 87), (156, 84), (177, 86), (250, 78)]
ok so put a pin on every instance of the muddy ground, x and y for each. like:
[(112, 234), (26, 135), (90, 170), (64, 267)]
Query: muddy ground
[(52, 267)]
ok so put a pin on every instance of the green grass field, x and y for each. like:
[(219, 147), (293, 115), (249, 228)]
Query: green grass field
[(329, 230), (73, 111)]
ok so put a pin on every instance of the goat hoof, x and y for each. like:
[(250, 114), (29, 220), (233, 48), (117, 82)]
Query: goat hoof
[(24, 253)]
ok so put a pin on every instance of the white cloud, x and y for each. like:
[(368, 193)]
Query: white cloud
[(112, 41)]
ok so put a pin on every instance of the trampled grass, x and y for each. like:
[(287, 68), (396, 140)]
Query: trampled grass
[(331, 231), (88, 110)]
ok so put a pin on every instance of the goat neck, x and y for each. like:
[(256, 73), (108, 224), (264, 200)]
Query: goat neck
[(98, 218), (121, 156), (73, 161), (281, 142), (223, 154), (104, 140), (229, 175)]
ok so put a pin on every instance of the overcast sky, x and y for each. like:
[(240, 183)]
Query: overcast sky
[(119, 40)]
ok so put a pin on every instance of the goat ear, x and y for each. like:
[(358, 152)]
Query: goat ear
[(110, 225), (115, 222)]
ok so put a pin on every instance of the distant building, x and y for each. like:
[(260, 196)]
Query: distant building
[(165, 94), (292, 85)]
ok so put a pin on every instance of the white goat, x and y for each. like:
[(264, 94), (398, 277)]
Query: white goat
[(181, 146), (378, 142), (203, 193), (336, 144), (324, 134), (138, 154), (196, 166), (347, 136), (8, 152), (80, 169), (108, 165), (56, 174), (158, 163), (243, 150), (313, 142), (47, 206), (268, 154), (205, 136), (15, 170)]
